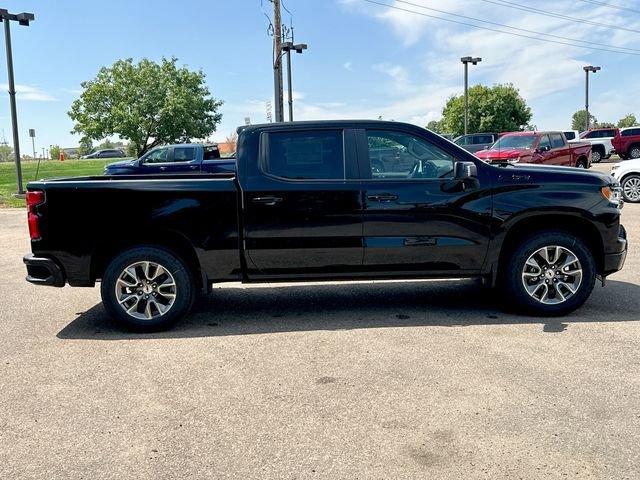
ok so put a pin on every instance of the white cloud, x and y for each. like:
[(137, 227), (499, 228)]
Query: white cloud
[(348, 66), (30, 93)]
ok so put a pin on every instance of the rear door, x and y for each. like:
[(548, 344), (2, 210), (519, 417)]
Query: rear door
[(560, 149), (302, 205), (417, 217)]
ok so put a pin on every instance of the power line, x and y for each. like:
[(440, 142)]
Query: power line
[(458, 22), (525, 8), (610, 5), (517, 28)]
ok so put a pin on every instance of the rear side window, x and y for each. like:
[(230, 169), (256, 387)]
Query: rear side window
[(483, 139), (211, 153), (570, 135), (556, 140), (609, 133), (184, 154), (630, 132), (306, 155)]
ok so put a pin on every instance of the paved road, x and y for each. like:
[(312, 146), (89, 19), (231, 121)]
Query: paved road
[(358, 381)]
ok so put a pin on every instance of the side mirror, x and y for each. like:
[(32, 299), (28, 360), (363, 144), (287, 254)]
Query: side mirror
[(544, 148), (465, 170), (486, 147)]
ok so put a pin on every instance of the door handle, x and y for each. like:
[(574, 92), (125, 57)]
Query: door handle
[(193, 167), (382, 197), (268, 201), (163, 168)]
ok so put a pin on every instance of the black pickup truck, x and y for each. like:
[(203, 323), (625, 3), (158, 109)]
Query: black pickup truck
[(306, 203)]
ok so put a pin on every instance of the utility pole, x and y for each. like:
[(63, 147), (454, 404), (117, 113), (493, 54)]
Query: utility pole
[(22, 19), (587, 69), (467, 61), (277, 63)]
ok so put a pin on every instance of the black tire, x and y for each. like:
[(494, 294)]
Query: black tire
[(581, 163), (596, 155), (634, 151), (182, 277), (630, 194), (513, 283)]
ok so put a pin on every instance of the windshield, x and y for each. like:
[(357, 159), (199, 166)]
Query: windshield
[(515, 141)]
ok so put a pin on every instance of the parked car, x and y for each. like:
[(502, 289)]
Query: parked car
[(106, 153), (628, 174), (180, 158), (549, 148), (626, 142), (476, 141), (571, 135), (306, 203), (600, 140)]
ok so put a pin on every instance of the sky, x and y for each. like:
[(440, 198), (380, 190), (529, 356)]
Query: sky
[(364, 60)]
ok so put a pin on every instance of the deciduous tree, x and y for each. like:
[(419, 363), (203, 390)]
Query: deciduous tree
[(146, 103)]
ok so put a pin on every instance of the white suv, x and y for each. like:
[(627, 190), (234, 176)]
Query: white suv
[(627, 173)]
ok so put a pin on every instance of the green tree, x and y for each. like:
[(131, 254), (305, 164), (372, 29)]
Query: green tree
[(146, 103), (85, 147), (579, 120), (627, 121), (54, 152), (436, 126), (6, 153), (605, 125), (107, 144), (491, 109)]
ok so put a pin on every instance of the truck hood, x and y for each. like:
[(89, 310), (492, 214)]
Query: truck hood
[(560, 173), (502, 154)]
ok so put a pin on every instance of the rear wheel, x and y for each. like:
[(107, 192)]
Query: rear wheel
[(147, 289), (634, 151), (631, 188), (596, 155), (552, 273)]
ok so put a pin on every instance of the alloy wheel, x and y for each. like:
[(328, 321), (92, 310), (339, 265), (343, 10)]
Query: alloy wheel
[(146, 290), (552, 275), (631, 189), (635, 152)]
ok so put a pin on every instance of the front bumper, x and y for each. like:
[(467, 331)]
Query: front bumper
[(43, 271), (615, 261)]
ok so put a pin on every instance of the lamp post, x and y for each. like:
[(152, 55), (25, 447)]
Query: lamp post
[(467, 61), (587, 69), (299, 48), (22, 19)]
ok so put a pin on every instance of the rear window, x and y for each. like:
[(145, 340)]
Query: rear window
[(184, 154), (556, 140), (306, 155)]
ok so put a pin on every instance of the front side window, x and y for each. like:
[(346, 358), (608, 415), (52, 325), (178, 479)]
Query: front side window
[(399, 156), (160, 155), (184, 154), (544, 142), (461, 140), (311, 155)]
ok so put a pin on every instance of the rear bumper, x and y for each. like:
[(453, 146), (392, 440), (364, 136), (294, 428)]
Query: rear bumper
[(615, 261), (43, 271)]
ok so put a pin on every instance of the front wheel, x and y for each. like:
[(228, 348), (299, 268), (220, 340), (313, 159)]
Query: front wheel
[(147, 289), (634, 151), (581, 163), (552, 273)]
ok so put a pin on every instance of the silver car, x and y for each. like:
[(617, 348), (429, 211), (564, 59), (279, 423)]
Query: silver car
[(474, 142)]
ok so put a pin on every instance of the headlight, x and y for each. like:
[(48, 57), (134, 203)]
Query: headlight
[(613, 194)]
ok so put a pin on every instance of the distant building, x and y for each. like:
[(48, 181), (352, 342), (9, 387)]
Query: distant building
[(70, 152), (226, 148)]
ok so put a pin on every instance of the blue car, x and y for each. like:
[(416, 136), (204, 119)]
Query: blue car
[(180, 158)]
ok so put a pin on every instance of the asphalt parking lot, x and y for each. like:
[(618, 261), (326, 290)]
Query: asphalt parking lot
[(366, 380)]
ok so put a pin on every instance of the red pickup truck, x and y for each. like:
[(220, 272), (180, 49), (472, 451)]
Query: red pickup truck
[(549, 148), (626, 142)]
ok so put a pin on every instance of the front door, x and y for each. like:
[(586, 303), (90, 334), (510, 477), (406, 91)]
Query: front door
[(417, 217), (179, 159), (561, 150), (303, 209)]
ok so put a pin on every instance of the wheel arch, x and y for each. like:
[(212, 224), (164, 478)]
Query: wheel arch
[(574, 225), (169, 240)]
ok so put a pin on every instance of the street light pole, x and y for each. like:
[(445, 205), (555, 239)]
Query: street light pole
[(587, 69), (467, 61), (22, 19), (299, 48)]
